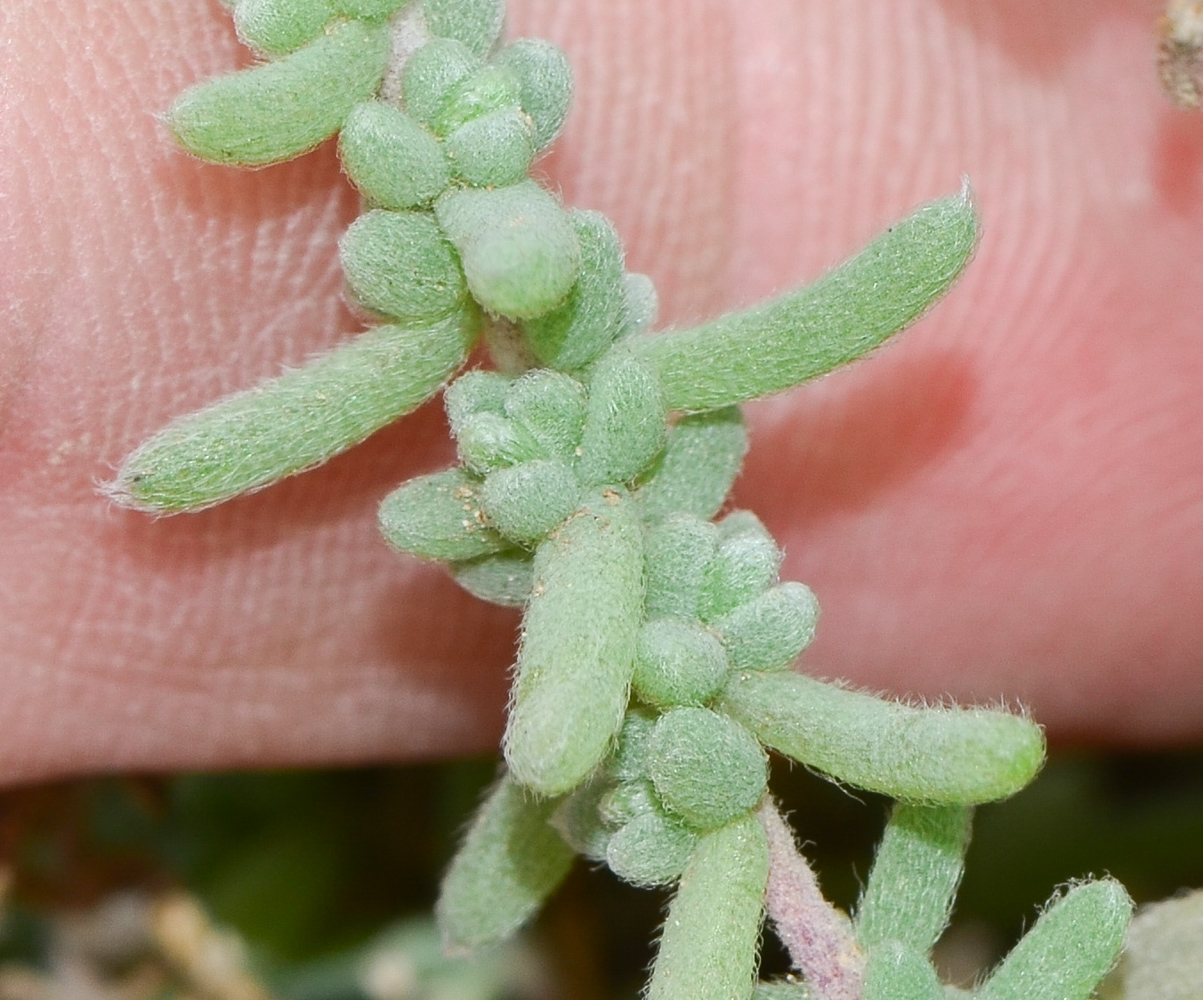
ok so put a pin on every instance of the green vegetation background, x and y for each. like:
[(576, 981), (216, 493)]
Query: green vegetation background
[(309, 865)]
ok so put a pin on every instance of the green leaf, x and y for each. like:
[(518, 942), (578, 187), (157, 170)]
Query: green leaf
[(707, 768), (510, 862), (281, 109), (520, 251), (624, 423), (578, 647), (627, 800), (401, 265), (678, 550), (808, 332), (577, 820), (1070, 948), (438, 517), (937, 756), (277, 27), (897, 971), (527, 501), (503, 578), (745, 565), (700, 462), (393, 161), (708, 948), (295, 421), (678, 663), (577, 332), (493, 149), (915, 875), (431, 75), (552, 407), (628, 762), (487, 90), (475, 391), (545, 84), (769, 631), (487, 442), (651, 849), (475, 23), (642, 303)]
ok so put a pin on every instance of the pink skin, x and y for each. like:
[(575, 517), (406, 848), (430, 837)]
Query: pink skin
[(1008, 504)]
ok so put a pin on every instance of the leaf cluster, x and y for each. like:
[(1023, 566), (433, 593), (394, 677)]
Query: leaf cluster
[(654, 669)]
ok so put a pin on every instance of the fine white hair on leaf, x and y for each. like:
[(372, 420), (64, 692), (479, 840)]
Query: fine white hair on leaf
[(281, 109), (295, 421)]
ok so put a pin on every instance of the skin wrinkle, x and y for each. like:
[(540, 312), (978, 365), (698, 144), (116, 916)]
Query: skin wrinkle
[(1021, 521)]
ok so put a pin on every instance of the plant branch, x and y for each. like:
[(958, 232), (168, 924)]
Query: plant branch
[(817, 935)]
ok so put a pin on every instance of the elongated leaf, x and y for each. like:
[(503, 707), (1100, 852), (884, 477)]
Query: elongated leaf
[(295, 421), (578, 647), (652, 849), (545, 80), (708, 769), (678, 663), (1070, 948), (698, 466), (915, 875), (938, 756), (492, 150), (400, 265), (708, 948), (280, 26), (811, 331), (393, 161), (896, 971), (552, 407), (624, 424), (431, 75), (769, 631), (284, 108), (476, 23), (743, 567), (503, 578), (577, 332), (520, 251), (679, 548), (511, 861), (526, 501)]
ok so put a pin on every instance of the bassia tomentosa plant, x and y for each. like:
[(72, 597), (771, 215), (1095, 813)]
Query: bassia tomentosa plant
[(654, 667)]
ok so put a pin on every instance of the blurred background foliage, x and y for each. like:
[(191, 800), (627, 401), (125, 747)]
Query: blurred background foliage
[(317, 885)]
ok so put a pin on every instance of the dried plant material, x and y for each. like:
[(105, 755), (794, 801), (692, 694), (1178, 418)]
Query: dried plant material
[(1179, 61), (20, 983), (211, 961)]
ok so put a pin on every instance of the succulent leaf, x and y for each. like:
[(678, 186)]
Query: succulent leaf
[(281, 109)]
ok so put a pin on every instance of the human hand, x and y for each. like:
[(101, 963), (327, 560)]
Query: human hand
[(1005, 504)]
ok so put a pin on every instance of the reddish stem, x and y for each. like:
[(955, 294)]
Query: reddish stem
[(818, 936)]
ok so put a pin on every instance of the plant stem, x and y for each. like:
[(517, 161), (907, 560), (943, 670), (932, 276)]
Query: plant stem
[(817, 935)]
